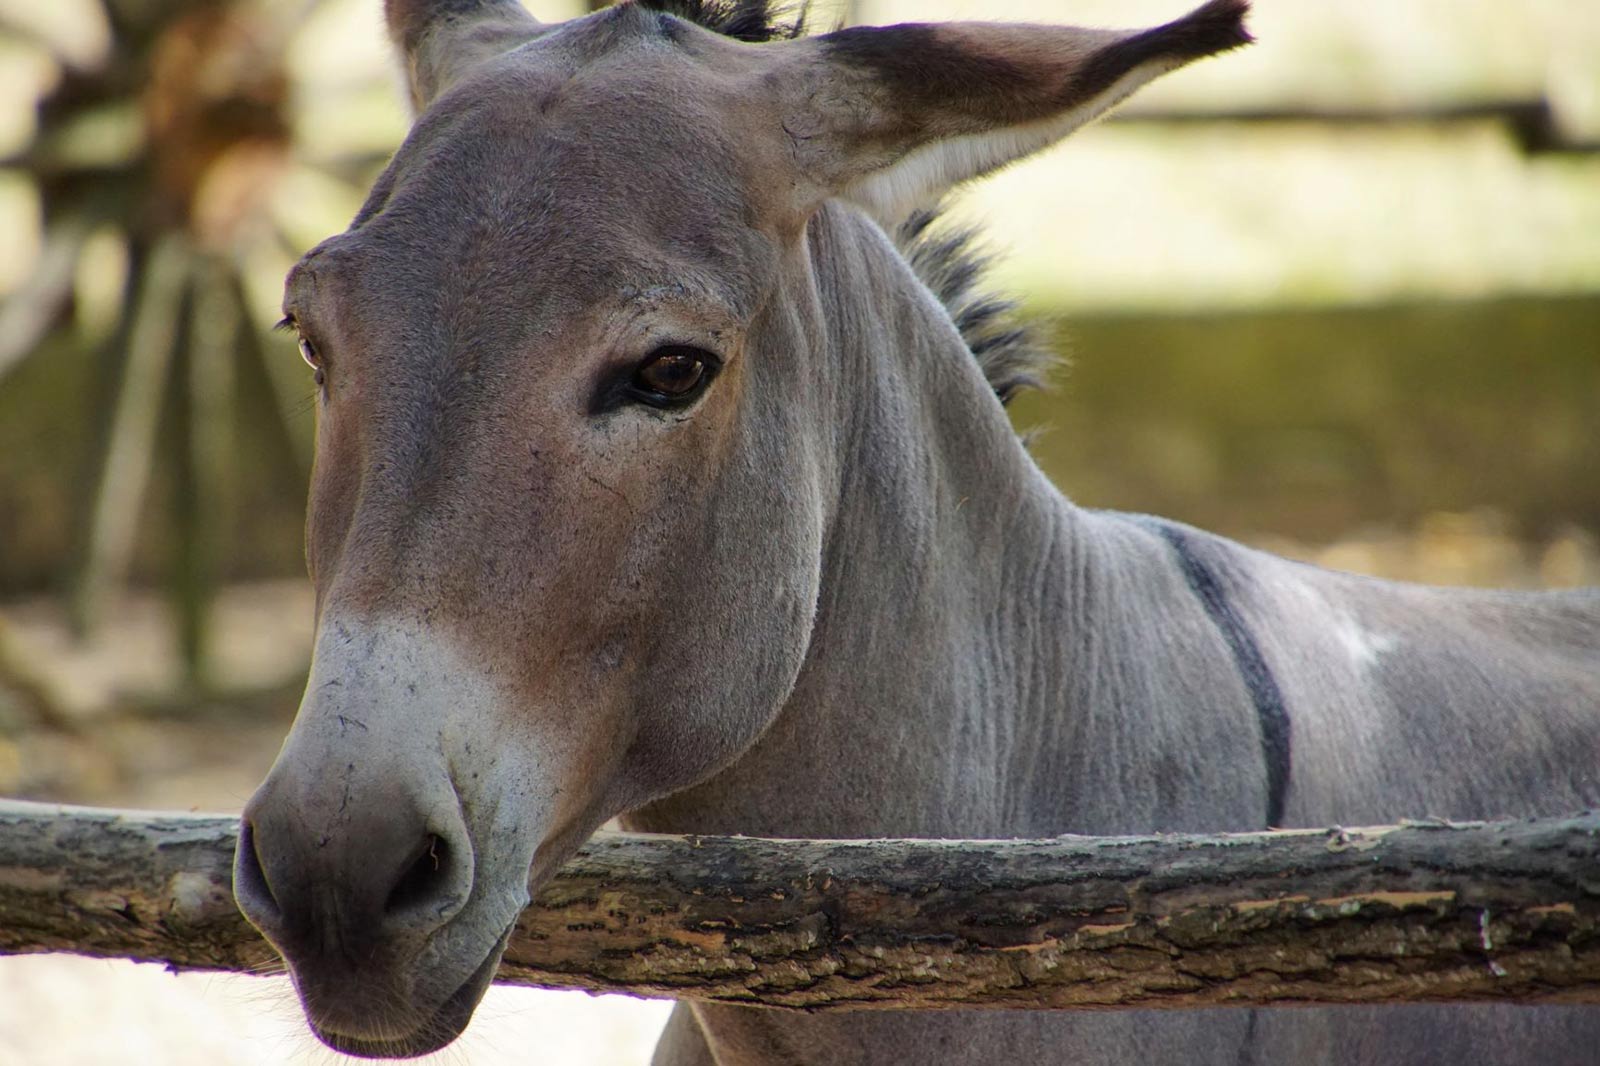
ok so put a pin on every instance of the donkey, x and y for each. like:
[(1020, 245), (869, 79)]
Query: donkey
[(652, 480)]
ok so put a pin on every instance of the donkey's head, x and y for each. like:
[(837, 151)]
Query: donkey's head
[(577, 444)]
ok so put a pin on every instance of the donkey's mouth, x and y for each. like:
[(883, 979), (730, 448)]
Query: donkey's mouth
[(431, 1033)]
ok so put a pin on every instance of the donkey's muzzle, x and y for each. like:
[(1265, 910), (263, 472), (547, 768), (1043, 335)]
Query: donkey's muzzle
[(387, 852), (352, 889)]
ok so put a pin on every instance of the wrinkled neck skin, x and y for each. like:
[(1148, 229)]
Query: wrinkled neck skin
[(945, 545), (988, 660)]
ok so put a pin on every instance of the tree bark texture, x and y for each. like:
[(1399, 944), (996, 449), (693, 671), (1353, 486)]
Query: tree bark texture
[(1416, 912)]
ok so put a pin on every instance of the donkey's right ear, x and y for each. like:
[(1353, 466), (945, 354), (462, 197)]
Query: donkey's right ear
[(440, 40)]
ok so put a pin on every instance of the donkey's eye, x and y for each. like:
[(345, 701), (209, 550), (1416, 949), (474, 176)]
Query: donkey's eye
[(673, 374), (308, 352)]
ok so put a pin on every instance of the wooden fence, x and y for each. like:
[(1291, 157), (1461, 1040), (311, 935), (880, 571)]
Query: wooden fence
[(1421, 911)]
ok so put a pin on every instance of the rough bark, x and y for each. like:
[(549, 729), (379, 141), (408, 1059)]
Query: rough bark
[(1422, 911)]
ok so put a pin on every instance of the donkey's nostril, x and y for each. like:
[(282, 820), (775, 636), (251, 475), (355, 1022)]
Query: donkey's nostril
[(375, 872), (425, 878), (250, 877)]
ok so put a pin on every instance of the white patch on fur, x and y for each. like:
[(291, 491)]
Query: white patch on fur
[(924, 174), (1364, 646), (392, 685)]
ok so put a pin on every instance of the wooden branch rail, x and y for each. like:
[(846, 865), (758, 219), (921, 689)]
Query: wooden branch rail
[(1422, 911)]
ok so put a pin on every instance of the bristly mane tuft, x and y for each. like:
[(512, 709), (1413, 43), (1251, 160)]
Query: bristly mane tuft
[(950, 262), (754, 21)]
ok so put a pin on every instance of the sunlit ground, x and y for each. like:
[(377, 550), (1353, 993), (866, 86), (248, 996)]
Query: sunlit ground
[(58, 1010)]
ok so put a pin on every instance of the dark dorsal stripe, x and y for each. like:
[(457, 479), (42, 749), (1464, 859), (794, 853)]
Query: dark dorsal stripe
[(1258, 679)]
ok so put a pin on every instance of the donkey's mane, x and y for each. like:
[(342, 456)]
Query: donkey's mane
[(949, 261), (755, 21)]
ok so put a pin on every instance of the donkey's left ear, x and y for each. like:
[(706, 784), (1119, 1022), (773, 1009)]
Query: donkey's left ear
[(892, 117), (440, 40)]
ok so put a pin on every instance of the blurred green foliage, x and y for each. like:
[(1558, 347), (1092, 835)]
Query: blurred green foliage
[(47, 451), (1313, 424)]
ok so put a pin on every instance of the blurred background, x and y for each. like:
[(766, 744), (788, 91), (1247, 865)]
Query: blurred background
[(1337, 295)]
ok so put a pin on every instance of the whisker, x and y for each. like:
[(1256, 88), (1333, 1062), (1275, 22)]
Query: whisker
[(306, 405)]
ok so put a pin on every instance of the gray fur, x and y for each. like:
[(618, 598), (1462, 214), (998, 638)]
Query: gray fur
[(832, 596), (1068, 680)]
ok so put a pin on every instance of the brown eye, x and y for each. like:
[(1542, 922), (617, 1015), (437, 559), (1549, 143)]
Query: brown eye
[(673, 374)]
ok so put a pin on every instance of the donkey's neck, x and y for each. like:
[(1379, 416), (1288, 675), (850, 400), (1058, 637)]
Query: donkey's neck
[(977, 665), (946, 553)]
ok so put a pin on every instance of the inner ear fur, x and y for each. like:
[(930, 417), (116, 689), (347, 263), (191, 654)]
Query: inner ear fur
[(440, 40), (891, 117)]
